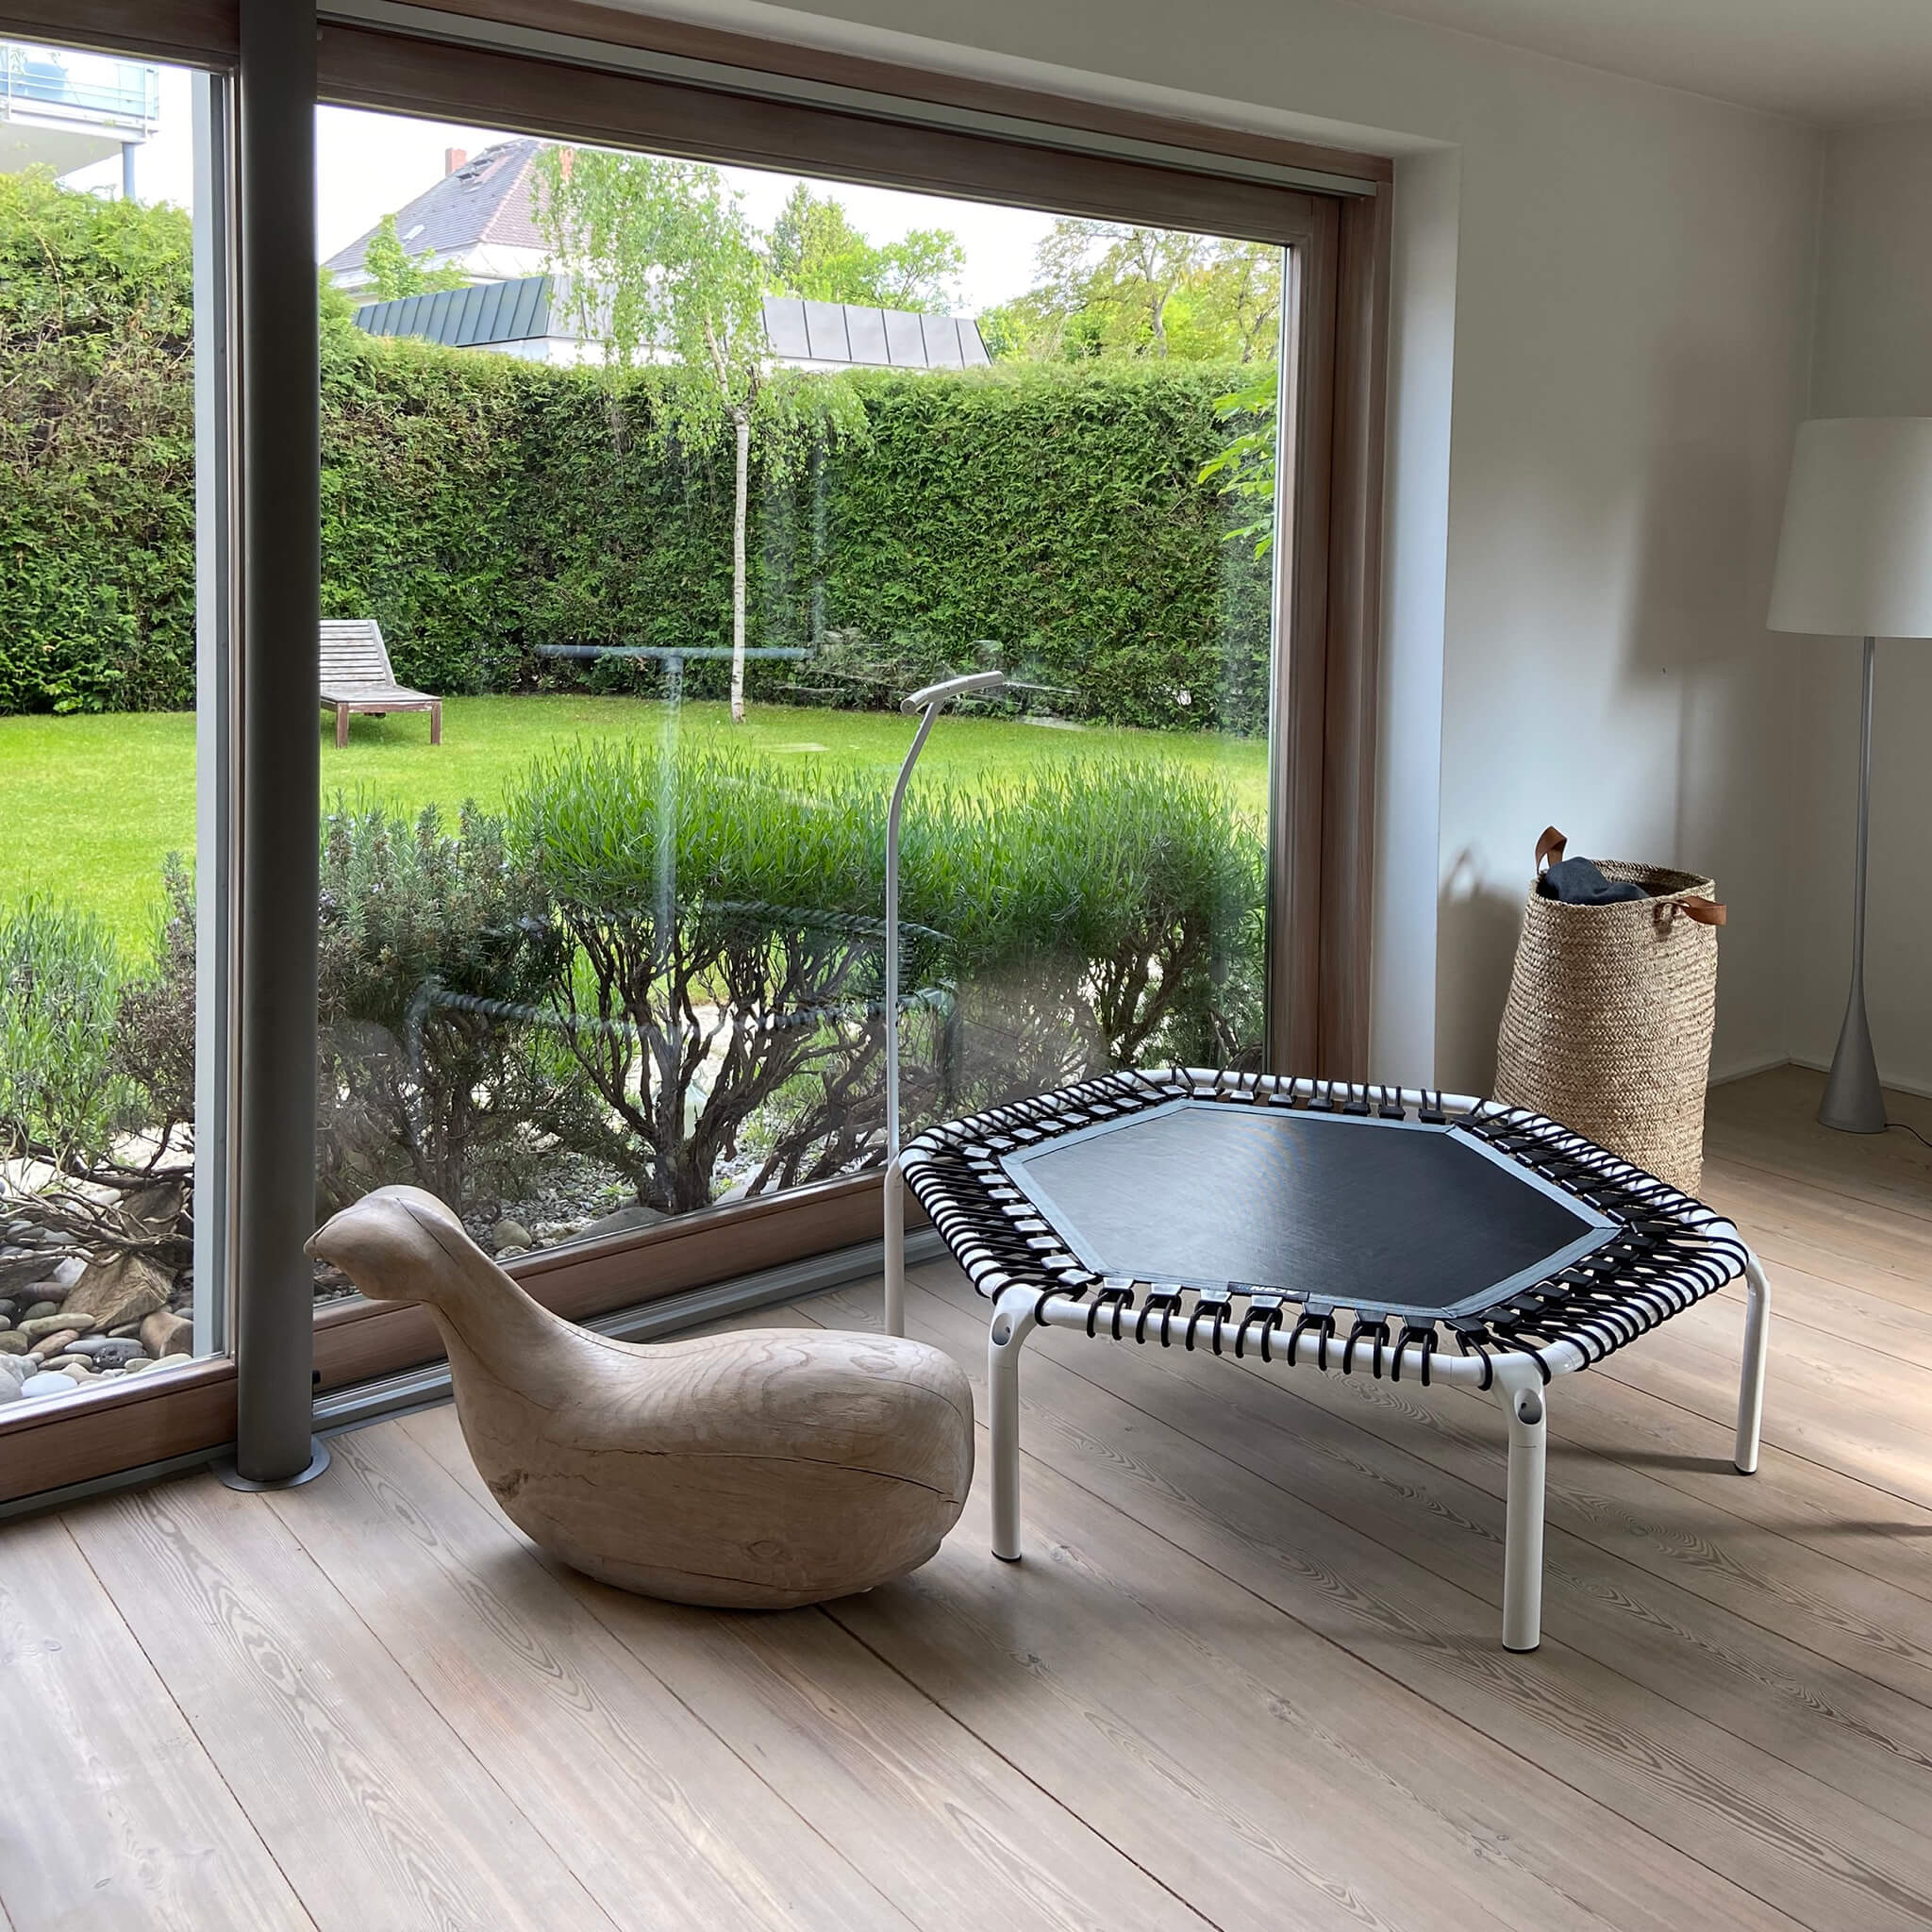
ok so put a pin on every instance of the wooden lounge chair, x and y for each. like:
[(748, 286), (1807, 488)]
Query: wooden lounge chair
[(357, 677)]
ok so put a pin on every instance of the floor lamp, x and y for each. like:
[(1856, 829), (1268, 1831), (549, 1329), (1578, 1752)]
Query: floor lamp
[(925, 704), (1856, 561)]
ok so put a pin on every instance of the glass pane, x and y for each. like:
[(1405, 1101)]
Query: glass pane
[(109, 1182), (670, 483)]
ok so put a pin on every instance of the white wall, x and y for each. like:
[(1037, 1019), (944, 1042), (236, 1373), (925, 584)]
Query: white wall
[(1623, 275), (1874, 359)]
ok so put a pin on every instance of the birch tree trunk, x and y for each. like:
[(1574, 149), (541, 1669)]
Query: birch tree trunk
[(743, 422)]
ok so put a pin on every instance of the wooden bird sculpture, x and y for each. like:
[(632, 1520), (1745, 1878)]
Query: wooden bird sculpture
[(757, 1470)]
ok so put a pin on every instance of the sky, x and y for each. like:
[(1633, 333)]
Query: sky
[(368, 165)]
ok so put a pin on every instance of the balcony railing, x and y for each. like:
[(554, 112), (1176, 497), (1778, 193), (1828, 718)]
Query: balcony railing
[(124, 96)]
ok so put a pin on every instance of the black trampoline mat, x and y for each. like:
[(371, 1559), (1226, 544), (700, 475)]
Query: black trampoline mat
[(1364, 1213)]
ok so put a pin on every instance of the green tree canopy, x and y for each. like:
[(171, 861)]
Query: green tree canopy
[(1103, 291), (816, 252), (662, 266), (395, 273)]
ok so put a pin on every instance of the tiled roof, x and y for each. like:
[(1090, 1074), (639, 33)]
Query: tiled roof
[(488, 199)]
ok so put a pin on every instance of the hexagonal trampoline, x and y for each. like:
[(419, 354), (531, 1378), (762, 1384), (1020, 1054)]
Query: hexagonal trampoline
[(1408, 1217), (1457, 1239)]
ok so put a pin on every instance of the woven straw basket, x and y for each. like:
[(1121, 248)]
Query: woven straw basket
[(1608, 1024)]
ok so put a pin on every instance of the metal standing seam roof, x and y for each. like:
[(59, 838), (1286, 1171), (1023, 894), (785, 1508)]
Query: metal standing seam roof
[(469, 318), (796, 331)]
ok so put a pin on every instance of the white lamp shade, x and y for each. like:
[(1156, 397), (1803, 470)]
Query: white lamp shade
[(1856, 556)]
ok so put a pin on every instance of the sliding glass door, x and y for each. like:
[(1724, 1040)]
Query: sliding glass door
[(115, 707)]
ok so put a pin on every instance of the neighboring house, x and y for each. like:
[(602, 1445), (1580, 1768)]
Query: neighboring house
[(480, 219), (65, 110), (529, 318)]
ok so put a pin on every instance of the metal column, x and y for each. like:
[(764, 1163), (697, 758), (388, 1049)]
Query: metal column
[(280, 451)]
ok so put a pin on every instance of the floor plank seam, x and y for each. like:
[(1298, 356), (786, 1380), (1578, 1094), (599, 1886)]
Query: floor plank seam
[(697, 1717), (188, 1723), (1455, 1718), (1032, 1783), (1495, 1496), (1642, 1691), (1783, 1447), (279, 1512)]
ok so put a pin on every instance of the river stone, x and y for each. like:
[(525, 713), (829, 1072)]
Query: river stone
[(65, 1276), (33, 1327), (106, 1353), (165, 1334), (49, 1384), (123, 1287), (508, 1234), (36, 1309), (13, 1342), (622, 1222), (10, 1389)]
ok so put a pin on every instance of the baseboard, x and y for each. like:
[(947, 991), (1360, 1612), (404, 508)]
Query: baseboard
[(1744, 1071), (1919, 1089)]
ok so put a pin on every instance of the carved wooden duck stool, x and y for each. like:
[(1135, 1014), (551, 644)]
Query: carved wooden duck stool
[(757, 1470)]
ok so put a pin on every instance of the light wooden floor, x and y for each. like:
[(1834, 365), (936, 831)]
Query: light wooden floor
[(1248, 1675)]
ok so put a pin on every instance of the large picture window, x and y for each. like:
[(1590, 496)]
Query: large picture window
[(667, 482), (676, 421)]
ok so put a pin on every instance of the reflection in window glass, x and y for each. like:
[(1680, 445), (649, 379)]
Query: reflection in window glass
[(667, 483), (107, 1186)]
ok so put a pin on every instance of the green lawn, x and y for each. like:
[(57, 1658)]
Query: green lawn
[(92, 804)]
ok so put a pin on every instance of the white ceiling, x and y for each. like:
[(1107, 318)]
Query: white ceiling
[(1834, 60)]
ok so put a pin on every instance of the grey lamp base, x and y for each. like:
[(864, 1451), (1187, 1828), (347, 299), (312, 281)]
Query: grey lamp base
[(1854, 1102)]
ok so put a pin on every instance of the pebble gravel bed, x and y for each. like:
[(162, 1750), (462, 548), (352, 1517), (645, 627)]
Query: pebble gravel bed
[(72, 1318)]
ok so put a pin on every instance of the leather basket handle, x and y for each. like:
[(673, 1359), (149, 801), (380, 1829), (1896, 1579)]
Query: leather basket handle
[(1705, 911), (1549, 848)]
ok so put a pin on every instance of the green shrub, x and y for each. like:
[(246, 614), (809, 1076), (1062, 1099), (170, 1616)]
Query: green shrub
[(710, 976), (565, 982), (433, 947), (62, 1098), (724, 995)]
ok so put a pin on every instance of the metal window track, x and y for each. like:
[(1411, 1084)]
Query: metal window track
[(342, 1409)]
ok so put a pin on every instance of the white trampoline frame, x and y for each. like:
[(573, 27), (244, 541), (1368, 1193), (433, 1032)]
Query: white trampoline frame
[(1513, 1378)]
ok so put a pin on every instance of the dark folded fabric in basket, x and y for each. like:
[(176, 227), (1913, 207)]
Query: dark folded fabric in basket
[(1578, 882)]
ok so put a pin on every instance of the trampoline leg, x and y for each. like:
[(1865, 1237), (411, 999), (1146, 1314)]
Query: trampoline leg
[(895, 1249), (1751, 1380), (1521, 1393), (1012, 1322)]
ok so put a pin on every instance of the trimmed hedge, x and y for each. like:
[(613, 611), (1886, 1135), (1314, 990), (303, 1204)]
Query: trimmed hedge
[(481, 507)]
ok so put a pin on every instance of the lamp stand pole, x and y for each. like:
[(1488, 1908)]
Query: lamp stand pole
[(1854, 1103), (927, 704)]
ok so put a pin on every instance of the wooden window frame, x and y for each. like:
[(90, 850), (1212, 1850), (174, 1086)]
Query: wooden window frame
[(1328, 618)]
